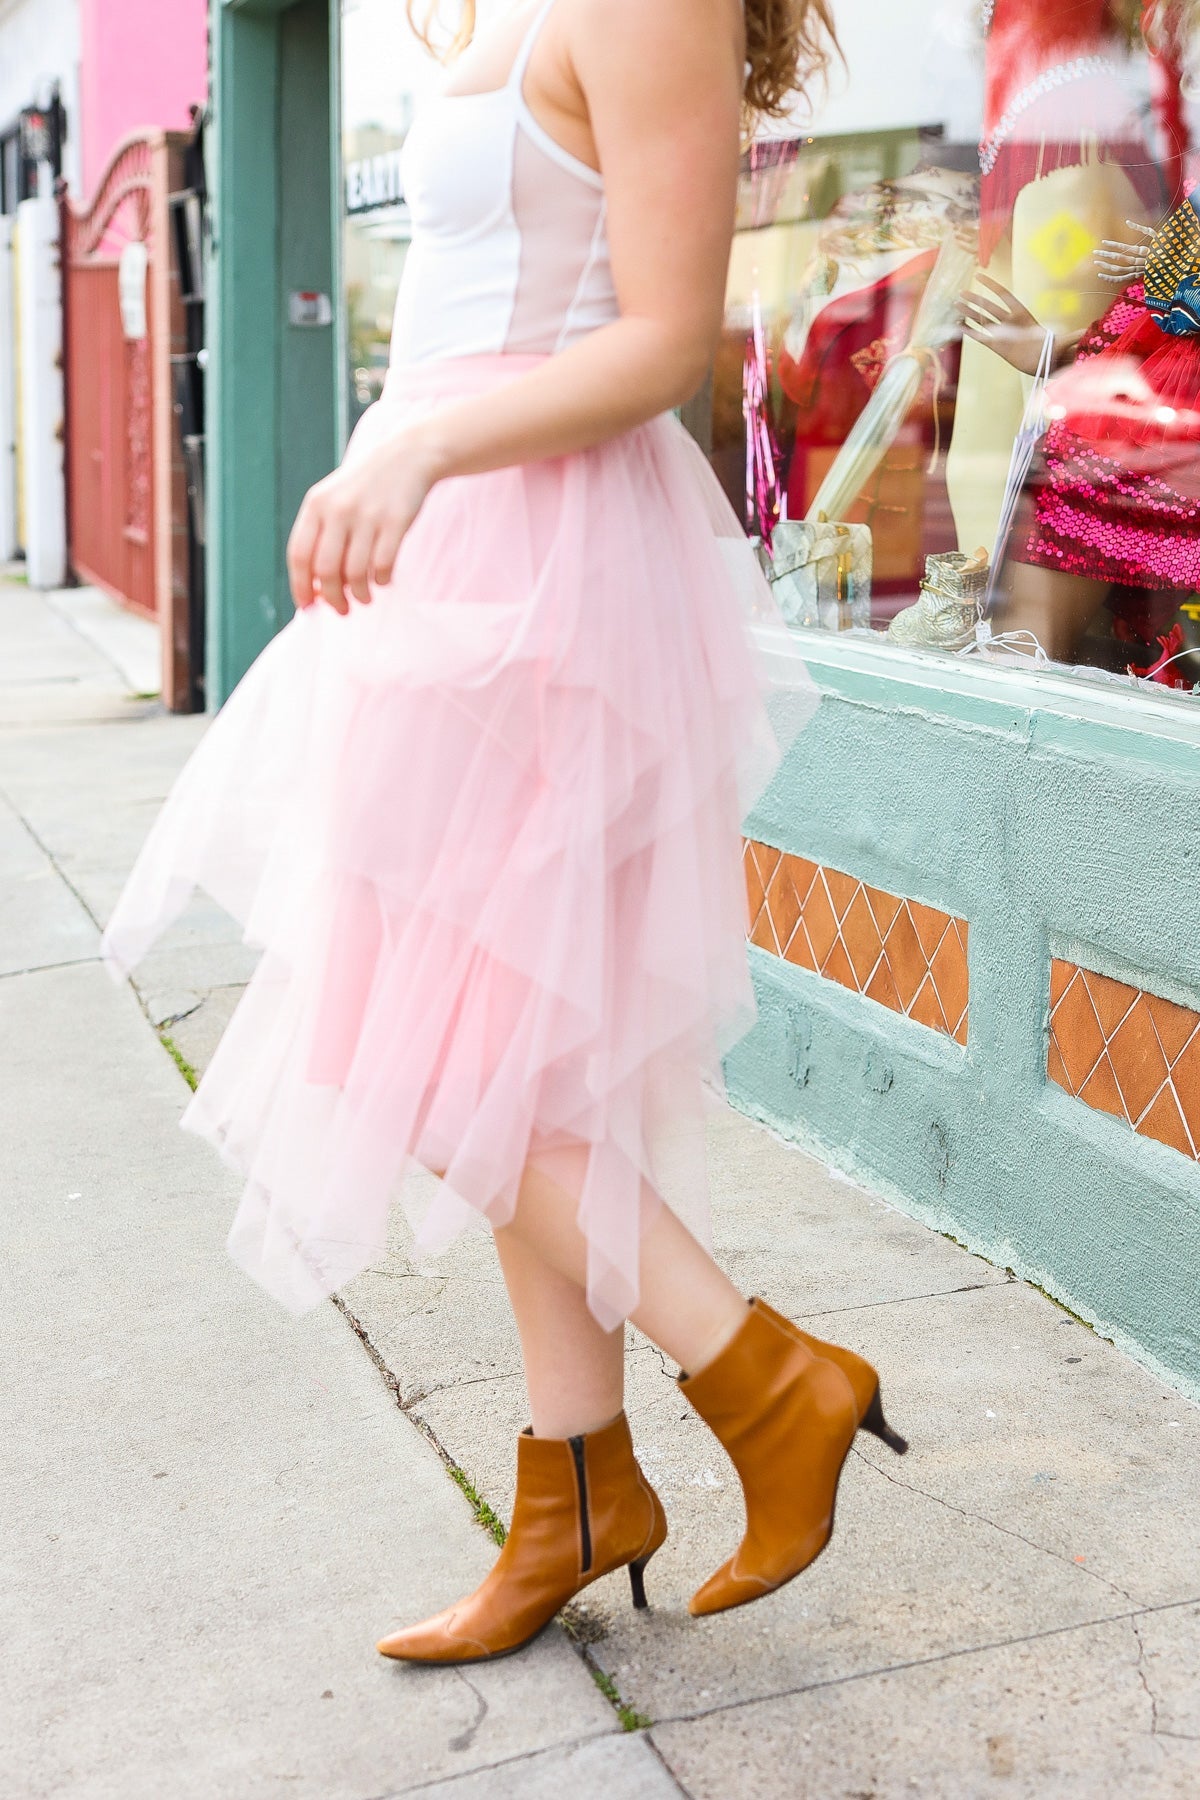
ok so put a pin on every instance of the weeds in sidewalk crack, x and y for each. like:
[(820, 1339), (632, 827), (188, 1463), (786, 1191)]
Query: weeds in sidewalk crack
[(484, 1515), (630, 1720), (179, 1059)]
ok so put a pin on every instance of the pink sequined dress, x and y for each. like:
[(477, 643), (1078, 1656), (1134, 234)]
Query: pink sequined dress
[(486, 830), (1118, 493)]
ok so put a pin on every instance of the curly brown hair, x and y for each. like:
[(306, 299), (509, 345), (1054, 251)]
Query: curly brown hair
[(789, 45)]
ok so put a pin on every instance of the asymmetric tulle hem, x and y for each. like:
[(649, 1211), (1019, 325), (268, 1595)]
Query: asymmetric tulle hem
[(486, 833)]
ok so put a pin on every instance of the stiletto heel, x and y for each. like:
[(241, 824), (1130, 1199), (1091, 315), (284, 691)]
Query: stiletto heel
[(874, 1422), (637, 1582)]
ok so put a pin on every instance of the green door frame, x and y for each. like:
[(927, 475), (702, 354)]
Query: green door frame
[(274, 414)]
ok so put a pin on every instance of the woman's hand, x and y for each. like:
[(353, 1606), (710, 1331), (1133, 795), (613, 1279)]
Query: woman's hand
[(999, 321), (1121, 263), (351, 525)]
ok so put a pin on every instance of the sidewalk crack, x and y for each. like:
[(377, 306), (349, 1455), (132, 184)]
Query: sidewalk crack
[(994, 1525), (465, 1739), (971, 1287), (928, 1662)]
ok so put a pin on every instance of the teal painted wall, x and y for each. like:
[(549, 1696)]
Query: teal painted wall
[(1068, 827), (273, 424)]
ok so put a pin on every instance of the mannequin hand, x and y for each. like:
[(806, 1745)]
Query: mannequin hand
[(1121, 263), (351, 525), (999, 321)]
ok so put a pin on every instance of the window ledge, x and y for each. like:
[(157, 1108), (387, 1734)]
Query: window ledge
[(993, 695)]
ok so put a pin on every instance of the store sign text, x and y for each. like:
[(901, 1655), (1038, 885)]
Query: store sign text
[(374, 181)]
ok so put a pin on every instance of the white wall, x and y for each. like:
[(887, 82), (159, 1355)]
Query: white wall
[(40, 44), (909, 62)]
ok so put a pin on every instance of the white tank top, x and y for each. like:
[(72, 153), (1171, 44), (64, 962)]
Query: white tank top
[(509, 252)]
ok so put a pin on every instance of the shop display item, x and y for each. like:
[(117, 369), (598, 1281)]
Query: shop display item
[(1057, 96), (950, 604), (1118, 495), (935, 325), (821, 574)]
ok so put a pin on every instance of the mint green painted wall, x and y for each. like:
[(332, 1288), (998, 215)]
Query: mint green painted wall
[(272, 426), (1075, 833)]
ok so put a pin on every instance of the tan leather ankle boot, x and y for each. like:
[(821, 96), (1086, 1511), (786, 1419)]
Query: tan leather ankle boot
[(583, 1508), (786, 1408), (859, 1373)]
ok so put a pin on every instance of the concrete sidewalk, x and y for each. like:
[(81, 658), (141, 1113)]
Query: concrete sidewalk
[(211, 1510)]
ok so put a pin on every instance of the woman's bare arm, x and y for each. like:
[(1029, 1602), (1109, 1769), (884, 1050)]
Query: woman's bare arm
[(661, 81)]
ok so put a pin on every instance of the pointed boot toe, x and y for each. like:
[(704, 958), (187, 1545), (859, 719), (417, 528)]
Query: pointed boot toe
[(726, 1589), (583, 1508), (435, 1641)]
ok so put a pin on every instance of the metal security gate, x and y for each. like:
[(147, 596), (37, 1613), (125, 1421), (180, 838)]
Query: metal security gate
[(123, 320)]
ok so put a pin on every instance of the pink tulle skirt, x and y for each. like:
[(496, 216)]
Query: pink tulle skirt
[(486, 834)]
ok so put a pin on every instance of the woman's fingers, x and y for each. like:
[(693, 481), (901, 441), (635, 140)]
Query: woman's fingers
[(302, 542), (1146, 231), (383, 557), (358, 559), (330, 557)]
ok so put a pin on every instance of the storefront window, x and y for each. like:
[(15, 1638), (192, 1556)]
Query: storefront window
[(1015, 476), (382, 74)]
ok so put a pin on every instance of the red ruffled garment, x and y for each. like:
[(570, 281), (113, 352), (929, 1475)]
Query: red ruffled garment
[(1041, 59), (1117, 496)]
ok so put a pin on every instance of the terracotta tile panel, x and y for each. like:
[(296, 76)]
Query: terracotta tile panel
[(1137, 1058), (766, 861), (906, 959), (901, 954), (949, 971), (860, 934), (842, 889), (762, 933), (1061, 976), (783, 904), (755, 891), (926, 1009), (1147, 1067), (838, 967), (1102, 1090), (1111, 999), (804, 873), (1077, 1033), (931, 926), (1164, 1122), (820, 923), (1056, 1068), (800, 951), (1174, 1024), (1185, 1078), (883, 989), (884, 906)]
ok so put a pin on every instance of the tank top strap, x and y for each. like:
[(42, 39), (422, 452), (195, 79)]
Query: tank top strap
[(516, 78)]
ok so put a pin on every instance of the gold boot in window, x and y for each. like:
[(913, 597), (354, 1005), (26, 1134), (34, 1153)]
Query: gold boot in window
[(952, 595)]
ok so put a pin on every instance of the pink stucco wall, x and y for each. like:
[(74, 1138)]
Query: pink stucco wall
[(144, 62)]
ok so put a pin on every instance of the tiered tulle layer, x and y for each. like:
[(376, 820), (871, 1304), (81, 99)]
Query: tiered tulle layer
[(486, 831)]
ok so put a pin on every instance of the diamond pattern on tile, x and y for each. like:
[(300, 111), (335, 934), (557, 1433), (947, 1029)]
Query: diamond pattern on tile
[(899, 953), (1126, 1052)]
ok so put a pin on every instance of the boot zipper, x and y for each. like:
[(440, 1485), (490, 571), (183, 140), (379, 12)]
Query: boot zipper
[(585, 1529)]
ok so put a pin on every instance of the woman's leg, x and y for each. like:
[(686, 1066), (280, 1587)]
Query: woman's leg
[(687, 1306), (574, 1371)]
